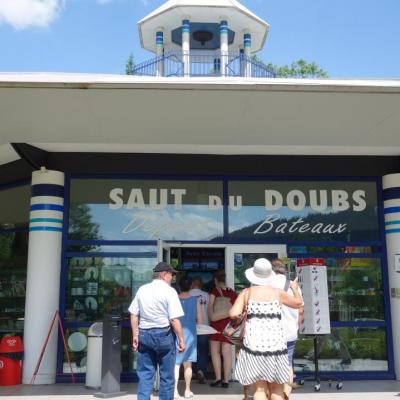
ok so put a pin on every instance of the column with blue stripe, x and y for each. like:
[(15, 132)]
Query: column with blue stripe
[(43, 273), (160, 52), (223, 30), (391, 209), (247, 53), (186, 47)]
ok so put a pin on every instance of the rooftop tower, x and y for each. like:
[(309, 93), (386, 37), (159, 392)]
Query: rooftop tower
[(202, 38)]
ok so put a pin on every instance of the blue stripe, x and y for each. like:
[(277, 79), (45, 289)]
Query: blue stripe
[(391, 193), (391, 210), (388, 231), (45, 228), (392, 222), (48, 190), (50, 207), (185, 25), (55, 220)]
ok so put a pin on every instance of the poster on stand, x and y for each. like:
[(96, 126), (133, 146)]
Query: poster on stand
[(312, 276)]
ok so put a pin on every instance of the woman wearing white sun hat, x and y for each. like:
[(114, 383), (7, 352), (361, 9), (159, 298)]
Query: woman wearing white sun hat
[(263, 360)]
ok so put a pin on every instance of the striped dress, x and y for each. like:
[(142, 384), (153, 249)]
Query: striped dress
[(263, 356)]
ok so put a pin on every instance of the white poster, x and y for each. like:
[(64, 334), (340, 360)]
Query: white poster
[(314, 285)]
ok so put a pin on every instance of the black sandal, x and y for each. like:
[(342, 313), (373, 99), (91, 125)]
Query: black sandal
[(225, 385), (216, 383)]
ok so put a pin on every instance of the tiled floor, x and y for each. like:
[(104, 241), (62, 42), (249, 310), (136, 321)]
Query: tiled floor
[(364, 390)]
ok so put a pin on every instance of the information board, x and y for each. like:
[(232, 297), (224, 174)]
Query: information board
[(312, 276)]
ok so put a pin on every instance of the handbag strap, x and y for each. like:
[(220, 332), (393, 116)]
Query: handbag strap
[(244, 320), (287, 285), (247, 297)]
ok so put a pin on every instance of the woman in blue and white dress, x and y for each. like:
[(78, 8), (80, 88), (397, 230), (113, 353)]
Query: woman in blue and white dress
[(263, 359), (192, 309)]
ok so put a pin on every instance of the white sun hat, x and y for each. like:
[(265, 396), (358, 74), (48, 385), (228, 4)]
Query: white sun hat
[(261, 273)]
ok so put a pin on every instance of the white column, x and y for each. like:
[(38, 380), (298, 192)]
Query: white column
[(186, 47), (247, 53), (160, 52), (43, 273), (223, 30), (242, 62), (391, 204)]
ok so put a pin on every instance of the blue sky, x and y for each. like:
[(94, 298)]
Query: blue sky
[(348, 38)]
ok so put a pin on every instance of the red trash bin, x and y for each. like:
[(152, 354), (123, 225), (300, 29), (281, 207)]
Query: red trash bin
[(11, 355)]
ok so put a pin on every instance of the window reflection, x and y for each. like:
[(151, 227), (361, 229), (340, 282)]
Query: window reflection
[(346, 349), (14, 210), (303, 211), (145, 210), (76, 339), (355, 289), (97, 285), (13, 267)]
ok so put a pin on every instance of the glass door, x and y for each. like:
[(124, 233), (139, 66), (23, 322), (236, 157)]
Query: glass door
[(163, 251), (241, 257)]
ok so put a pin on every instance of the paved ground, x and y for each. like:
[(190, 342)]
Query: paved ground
[(365, 390)]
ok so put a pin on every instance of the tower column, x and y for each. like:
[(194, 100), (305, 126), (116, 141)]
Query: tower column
[(43, 273), (160, 52), (223, 29), (186, 47), (247, 54), (391, 205)]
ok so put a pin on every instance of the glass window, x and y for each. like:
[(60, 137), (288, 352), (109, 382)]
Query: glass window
[(346, 349), (76, 339), (13, 263), (145, 210), (300, 211), (355, 289), (334, 249), (100, 285), (243, 261), (115, 249), (77, 348), (15, 207)]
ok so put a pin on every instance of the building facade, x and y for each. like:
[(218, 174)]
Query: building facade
[(102, 176)]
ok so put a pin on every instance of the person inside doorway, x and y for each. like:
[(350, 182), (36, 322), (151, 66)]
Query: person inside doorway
[(221, 299), (203, 299), (192, 314)]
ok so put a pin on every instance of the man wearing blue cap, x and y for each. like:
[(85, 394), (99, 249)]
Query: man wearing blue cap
[(155, 313)]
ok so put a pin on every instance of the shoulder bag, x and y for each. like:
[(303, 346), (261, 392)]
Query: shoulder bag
[(236, 328), (222, 305)]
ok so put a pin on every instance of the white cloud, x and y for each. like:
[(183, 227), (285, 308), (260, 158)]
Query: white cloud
[(22, 14), (145, 2)]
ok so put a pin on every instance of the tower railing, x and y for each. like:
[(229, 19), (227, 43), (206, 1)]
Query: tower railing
[(204, 64)]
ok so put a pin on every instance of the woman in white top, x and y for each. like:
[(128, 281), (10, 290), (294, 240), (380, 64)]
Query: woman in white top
[(263, 359)]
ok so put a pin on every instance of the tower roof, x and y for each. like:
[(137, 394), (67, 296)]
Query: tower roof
[(169, 16)]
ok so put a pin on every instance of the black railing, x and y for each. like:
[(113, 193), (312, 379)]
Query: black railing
[(204, 64)]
